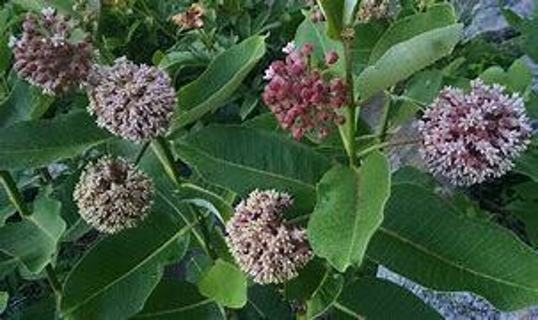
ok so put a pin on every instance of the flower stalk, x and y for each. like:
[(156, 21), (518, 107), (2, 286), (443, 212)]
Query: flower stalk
[(349, 128)]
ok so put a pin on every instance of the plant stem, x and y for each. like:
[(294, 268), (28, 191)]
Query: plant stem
[(13, 192), (16, 198), (53, 280), (382, 145), (162, 150), (348, 130)]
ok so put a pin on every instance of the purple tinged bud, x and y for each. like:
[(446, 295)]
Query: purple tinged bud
[(331, 58)]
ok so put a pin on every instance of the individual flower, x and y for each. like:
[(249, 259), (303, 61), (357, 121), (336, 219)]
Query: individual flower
[(112, 195), (264, 245), (301, 99), (472, 137), (370, 10), (135, 102), (192, 18), (51, 53)]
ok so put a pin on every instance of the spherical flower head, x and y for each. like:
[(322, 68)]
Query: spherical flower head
[(112, 195), (135, 102), (262, 243), (302, 100), (469, 138), (51, 53)]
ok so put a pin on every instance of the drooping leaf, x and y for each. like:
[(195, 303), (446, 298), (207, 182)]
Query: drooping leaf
[(406, 58), (225, 284), (220, 80), (262, 160), (438, 16), (175, 299), (33, 241), (425, 239), (38, 143), (349, 210), (118, 274), (527, 163), (378, 299)]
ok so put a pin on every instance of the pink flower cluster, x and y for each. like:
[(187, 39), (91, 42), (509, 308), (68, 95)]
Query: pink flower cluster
[(469, 138), (300, 97)]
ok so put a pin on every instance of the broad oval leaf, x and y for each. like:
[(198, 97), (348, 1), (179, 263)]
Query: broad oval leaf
[(528, 161), (225, 284), (424, 238), (33, 241), (220, 80), (243, 159), (38, 143), (437, 16), (325, 295), (378, 299), (265, 302), (173, 299), (118, 274), (406, 58), (349, 210)]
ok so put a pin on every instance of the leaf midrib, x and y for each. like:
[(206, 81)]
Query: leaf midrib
[(132, 270), (174, 310), (452, 263), (252, 169)]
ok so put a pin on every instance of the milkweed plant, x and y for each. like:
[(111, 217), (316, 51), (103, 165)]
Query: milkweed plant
[(263, 159)]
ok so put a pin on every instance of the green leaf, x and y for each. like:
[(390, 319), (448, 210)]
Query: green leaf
[(264, 302), (220, 80), (261, 160), (119, 273), (516, 79), (24, 103), (325, 295), (225, 284), (175, 299), (307, 282), (527, 163), (309, 32), (378, 299), (349, 210), (524, 207), (339, 13), (34, 240), (438, 16), (4, 296), (334, 13), (38, 143), (406, 58), (7, 264), (425, 239)]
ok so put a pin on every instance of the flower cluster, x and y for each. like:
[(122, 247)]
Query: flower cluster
[(370, 10), (135, 102), (264, 246), (192, 18), (301, 99), (471, 137), (112, 195), (48, 53)]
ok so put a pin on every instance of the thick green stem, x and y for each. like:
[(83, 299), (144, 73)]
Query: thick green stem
[(17, 200), (348, 130)]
